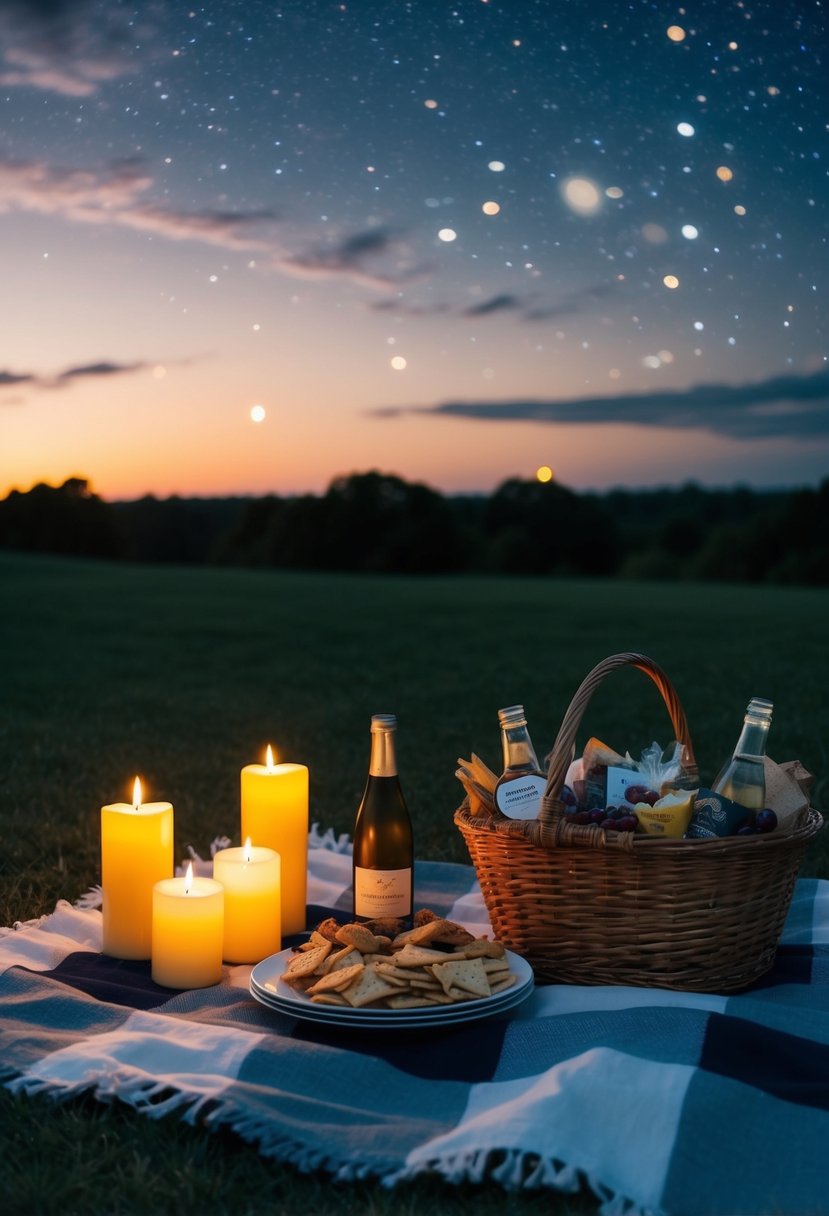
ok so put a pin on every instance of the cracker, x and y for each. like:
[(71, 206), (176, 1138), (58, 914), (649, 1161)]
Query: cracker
[(337, 980), (367, 988), (307, 963), (418, 956), (467, 974), (482, 947), (328, 928), (344, 958), (359, 936), (495, 966), (357, 964), (330, 998), (408, 1002)]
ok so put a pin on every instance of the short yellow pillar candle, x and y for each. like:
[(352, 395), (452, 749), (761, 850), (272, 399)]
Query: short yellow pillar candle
[(253, 919), (136, 851), (275, 815), (188, 926)]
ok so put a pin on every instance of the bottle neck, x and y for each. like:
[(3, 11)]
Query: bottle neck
[(383, 762), (518, 750), (752, 740)]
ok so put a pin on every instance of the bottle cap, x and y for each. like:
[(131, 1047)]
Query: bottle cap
[(513, 715), (383, 722), (760, 707)]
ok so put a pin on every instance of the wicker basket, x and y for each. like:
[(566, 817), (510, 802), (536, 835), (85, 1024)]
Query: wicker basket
[(588, 907)]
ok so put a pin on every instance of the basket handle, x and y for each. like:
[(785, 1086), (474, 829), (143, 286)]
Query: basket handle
[(562, 752)]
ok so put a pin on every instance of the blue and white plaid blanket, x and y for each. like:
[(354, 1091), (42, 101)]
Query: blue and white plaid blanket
[(662, 1102)]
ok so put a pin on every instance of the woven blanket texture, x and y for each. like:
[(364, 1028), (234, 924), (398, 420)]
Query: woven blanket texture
[(662, 1102)]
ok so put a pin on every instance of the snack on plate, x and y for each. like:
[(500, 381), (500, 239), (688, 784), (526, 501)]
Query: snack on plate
[(436, 963)]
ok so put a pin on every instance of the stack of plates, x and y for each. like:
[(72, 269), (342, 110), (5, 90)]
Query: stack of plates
[(268, 987)]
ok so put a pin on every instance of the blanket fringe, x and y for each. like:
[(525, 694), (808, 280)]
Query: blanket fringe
[(513, 1170), (516, 1170)]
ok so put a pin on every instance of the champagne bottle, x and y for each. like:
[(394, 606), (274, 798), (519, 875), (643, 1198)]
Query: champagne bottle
[(521, 786), (383, 846), (742, 778)]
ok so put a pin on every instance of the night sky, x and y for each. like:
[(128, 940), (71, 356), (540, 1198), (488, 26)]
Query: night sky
[(249, 246)]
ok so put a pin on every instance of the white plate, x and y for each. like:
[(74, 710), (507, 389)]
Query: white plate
[(267, 987), (344, 1016)]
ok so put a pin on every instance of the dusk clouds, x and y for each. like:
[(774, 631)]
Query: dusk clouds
[(120, 194), (68, 47), (116, 195), (69, 375), (788, 406)]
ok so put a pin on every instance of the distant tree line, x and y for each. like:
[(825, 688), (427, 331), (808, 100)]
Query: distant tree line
[(377, 523)]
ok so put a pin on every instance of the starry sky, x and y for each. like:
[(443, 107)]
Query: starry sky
[(249, 246)]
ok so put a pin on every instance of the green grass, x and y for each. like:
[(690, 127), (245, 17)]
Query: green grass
[(183, 676)]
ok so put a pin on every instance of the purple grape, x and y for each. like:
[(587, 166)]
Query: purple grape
[(581, 817), (765, 820), (609, 825), (628, 823), (597, 815)]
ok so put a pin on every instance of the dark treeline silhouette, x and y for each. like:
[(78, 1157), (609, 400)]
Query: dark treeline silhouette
[(379, 523)]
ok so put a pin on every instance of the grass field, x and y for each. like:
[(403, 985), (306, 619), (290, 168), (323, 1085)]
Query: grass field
[(184, 675)]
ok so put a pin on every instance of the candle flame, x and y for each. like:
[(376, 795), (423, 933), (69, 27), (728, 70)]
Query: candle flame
[(269, 759), (248, 847), (188, 878), (136, 794)]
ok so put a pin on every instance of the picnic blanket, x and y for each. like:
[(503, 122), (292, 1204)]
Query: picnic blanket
[(662, 1102)]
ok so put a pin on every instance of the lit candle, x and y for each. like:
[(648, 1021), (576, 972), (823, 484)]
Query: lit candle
[(136, 851), (250, 877), (188, 923), (275, 815)]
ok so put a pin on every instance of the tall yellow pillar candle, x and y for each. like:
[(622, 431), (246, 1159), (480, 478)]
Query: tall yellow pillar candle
[(188, 926), (253, 919), (136, 851), (275, 815)]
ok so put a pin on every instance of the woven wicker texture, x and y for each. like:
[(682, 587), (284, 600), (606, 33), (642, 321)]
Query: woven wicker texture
[(592, 907)]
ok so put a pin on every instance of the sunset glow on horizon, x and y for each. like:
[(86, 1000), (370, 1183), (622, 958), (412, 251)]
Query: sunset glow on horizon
[(252, 250)]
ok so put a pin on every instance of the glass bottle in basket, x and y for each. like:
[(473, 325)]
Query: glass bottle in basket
[(521, 786), (743, 777)]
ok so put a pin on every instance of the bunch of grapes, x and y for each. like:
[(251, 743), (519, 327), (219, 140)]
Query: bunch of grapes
[(612, 818)]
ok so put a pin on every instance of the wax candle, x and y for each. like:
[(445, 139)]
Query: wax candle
[(250, 877), (136, 851), (188, 925), (275, 815)]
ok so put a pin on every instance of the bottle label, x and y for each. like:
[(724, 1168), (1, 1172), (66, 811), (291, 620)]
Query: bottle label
[(382, 892), (520, 797)]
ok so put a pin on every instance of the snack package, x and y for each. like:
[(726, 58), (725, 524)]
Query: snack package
[(715, 815), (661, 770), (669, 816), (599, 761), (787, 792)]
